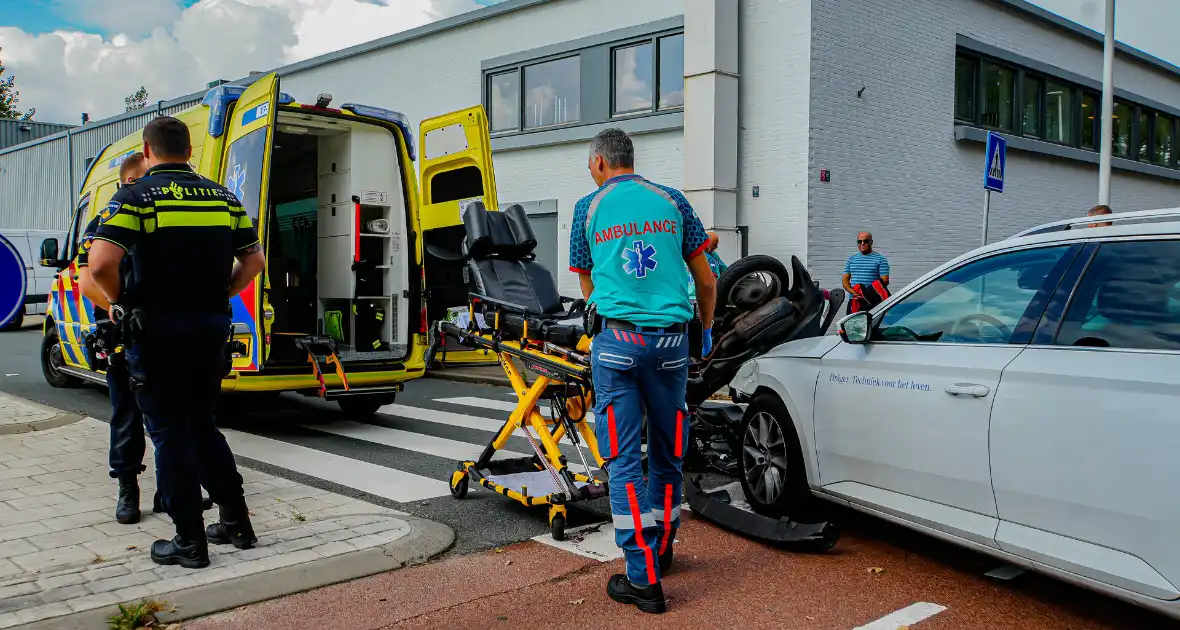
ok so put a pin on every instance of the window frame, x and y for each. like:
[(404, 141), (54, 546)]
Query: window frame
[(487, 88), (597, 63), (1076, 123)]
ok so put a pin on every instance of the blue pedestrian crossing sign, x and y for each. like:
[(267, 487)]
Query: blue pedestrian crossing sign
[(993, 174)]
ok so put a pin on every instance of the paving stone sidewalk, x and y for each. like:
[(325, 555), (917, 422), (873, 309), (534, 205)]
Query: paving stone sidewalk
[(65, 562)]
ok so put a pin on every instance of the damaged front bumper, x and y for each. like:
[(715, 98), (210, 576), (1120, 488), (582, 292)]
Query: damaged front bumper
[(726, 506)]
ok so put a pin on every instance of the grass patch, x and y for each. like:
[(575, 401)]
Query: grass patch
[(137, 616)]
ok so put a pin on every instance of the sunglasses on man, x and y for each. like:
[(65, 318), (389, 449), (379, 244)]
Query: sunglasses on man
[(862, 241)]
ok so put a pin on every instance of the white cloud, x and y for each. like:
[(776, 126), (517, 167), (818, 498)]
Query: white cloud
[(117, 16), (66, 73)]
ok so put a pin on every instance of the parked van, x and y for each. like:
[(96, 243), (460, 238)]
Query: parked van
[(340, 311), (38, 279)]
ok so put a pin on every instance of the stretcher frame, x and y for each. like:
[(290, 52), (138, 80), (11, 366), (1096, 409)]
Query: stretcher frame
[(557, 369)]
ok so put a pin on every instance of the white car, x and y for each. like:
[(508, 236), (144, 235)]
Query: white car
[(1022, 400)]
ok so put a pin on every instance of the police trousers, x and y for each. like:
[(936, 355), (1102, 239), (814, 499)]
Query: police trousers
[(636, 373), (179, 364), (127, 441)]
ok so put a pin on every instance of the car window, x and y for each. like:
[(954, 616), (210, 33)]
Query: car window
[(1128, 298), (74, 237), (980, 302)]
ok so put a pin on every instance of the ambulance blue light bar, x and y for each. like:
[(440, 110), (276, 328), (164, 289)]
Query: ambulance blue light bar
[(388, 115), (220, 98)]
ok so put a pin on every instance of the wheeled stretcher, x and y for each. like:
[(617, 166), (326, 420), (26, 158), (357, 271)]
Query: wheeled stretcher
[(526, 321), (516, 312)]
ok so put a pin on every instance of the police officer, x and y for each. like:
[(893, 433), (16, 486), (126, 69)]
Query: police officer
[(629, 242), (182, 233), (127, 443)]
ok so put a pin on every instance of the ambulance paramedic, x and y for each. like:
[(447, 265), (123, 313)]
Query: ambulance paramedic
[(182, 233), (629, 241)]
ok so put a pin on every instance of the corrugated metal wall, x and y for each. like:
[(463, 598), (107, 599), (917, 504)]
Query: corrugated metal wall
[(39, 180), (13, 132), (35, 191)]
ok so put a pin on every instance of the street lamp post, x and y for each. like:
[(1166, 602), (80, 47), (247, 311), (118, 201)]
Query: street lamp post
[(1107, 107)]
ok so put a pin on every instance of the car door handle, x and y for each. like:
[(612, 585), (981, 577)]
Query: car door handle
[(967, 389)]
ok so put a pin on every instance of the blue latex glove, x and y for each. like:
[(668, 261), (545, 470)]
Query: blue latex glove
[(706, 342)]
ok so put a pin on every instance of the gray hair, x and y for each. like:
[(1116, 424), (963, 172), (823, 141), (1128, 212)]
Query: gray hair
[(615, 147)]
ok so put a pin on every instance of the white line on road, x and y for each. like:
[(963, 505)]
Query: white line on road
[(598, 544), (429, 444), (905, 617), (444, 417), (390, 483)]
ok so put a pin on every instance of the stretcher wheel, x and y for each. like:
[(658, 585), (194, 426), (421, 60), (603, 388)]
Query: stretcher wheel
[(459, 483), (557, 527)]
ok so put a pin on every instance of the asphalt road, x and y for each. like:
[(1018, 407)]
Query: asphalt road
[(416, 444)]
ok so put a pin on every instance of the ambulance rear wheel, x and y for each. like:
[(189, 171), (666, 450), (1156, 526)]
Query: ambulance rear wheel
[(52, 361), (360, 406), (557, 527)]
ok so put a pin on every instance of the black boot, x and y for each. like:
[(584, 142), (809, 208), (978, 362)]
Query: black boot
[(233, 528), (648, 599), (127, 505), (188, 548)]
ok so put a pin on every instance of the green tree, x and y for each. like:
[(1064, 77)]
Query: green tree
[(138, 100), (9, 96)]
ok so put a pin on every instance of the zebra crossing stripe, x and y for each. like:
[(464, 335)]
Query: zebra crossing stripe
[(497, 405)]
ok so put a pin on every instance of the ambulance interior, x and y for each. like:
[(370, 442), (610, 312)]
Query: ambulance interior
[(333, 273)]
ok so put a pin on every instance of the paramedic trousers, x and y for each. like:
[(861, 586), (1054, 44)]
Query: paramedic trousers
[(127, 441), (180, 362), (634, 373)]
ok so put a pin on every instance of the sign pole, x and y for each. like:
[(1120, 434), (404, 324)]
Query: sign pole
[(987, 209)]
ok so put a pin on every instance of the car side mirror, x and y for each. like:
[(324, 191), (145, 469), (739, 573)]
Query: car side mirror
[(855, 328), (49, 254)]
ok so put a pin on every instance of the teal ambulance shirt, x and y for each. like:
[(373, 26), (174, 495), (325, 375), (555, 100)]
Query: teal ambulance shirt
[(633, 238)]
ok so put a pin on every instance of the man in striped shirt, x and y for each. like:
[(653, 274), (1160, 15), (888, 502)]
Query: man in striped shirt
[(864, 267)]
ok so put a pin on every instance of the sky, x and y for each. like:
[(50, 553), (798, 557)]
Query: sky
[(74, 56)]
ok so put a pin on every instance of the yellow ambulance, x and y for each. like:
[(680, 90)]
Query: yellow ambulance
[(343, 310)]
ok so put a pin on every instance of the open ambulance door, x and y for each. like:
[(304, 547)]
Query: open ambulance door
[(456, 166), (246, 172)]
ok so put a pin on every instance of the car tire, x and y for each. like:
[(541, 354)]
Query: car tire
[(360, 406), (51, 360), (773, 476)]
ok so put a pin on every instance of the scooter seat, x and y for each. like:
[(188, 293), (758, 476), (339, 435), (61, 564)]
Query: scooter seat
[(565, 334)]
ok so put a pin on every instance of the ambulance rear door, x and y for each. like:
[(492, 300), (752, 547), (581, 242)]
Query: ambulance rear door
[(455, 168), (245, 170)]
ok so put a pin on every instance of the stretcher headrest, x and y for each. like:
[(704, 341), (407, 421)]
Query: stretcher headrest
[(505, 235)]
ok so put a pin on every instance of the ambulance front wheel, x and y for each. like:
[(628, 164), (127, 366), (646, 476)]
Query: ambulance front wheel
[(557, 527)]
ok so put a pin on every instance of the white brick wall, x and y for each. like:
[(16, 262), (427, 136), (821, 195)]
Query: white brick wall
[(896, 169), (559, 172), (774, 66)]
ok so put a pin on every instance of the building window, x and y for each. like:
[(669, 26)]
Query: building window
[(1124, 117), (1142, 136), (552, 93), (634, 88), (1059, 112), (1090, 112), (671, 71), (998, 96), (964, 88), (634, 72), (504, 100), (1031, 106), (1162, 153)]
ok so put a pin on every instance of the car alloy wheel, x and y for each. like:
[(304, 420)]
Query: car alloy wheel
[(764, 458)]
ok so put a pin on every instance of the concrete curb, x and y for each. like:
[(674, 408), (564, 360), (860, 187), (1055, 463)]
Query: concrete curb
[(425, 540), (60, 420), (460, 376)]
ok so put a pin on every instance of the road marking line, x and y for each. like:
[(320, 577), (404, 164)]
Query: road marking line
[(390, 483), (498, 405), (598, 543), (444, 417), (907, 616)]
